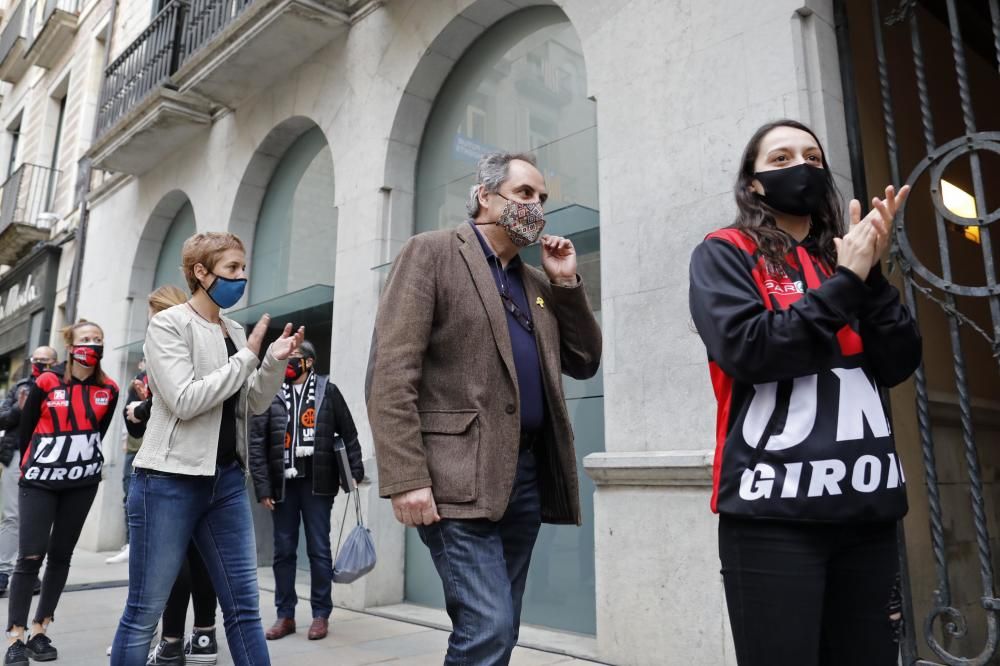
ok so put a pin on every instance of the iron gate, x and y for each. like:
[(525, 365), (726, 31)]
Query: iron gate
[(937, 288)]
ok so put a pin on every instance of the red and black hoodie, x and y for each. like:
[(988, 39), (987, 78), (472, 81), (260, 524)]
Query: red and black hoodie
[(61, 428), (796, 361)]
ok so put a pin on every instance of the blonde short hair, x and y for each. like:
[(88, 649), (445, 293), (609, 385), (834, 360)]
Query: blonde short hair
[(206, 249)]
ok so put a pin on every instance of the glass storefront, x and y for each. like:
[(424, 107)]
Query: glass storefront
[(522, 87), (292, 267), (27, 293), (294, 256)]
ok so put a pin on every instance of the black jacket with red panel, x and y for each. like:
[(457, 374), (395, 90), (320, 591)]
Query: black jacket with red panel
[(796, 361), (61, 428)]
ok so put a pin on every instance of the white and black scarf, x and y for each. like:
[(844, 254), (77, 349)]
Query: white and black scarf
[(300, 427)]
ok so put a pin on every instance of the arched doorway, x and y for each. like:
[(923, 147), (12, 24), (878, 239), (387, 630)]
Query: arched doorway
[(168, 264), (170, 224), (522, 86), (292, 243)]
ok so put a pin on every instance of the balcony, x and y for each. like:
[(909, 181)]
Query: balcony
[(24, 215), (12, 47), (197, 56), (55, 37), (234, 49), (140, 120)]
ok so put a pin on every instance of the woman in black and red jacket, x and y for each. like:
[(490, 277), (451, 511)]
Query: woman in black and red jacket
[(802, 329), (64, 418)]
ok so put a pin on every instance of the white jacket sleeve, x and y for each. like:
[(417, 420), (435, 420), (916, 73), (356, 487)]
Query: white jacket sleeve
[(168, 361), (265, 383)]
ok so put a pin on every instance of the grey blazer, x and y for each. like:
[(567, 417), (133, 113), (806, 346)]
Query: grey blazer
[(190, 375)]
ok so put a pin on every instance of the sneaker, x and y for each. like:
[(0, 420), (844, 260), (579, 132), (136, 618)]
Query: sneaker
[(4, 583), (16, 655), (119, 557), (167, 653), (39, 647), (201, 647)]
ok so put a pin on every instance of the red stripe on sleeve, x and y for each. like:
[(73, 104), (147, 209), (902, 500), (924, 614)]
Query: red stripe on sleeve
[(723, 385)]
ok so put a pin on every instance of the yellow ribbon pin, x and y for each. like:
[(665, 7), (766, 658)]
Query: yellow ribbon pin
[(539, 302)]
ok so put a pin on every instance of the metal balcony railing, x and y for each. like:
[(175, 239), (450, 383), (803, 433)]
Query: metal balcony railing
[(11, 32), (144, 65), (68, 6), (207, 18), (50, 7), (26, 195)]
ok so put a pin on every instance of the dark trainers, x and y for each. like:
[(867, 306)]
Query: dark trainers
[(167, 653), (39, 647), (16, 655), (201, 648)]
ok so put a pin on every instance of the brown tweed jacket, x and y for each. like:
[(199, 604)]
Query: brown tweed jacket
[(442, 391)]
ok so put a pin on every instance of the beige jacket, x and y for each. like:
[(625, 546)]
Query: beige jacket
[(443, 399), (190, 375)]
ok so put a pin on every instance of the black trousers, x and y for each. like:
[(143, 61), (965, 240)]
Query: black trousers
[(807, 594), (50, 523), (194, 583)]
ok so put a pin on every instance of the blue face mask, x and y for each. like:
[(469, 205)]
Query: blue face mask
[(225, 292)]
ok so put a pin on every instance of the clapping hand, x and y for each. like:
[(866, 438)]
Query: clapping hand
[(287, 343), (867, 240), (881, 216), (130, 411), (140, 388)]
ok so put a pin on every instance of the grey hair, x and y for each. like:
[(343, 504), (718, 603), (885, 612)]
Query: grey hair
[(308, 350), (491, 173)]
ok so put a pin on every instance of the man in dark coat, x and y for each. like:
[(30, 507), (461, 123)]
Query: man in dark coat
[(42, 359), (296, 475)]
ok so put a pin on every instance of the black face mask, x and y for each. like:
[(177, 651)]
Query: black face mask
[(295, 369), (797, 190)]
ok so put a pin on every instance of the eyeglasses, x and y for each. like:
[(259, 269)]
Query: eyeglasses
[(41, 361)]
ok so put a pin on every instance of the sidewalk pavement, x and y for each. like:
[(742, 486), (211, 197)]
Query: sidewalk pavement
[(89, 610)]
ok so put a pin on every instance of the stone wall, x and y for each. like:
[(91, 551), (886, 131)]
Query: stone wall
[(680, 86)]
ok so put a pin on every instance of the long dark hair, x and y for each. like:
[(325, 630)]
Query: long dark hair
[(756, 219)]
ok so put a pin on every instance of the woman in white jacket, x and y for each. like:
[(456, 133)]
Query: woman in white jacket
[(190, 475)]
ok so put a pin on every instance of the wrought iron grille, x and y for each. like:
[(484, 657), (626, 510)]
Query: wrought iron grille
[(25, 195), (12, 31), (937, 287), (206, 19), (144, 65), (69, 6)]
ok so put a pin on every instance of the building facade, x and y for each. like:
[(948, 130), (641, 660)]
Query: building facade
[(325, 134), (51, 53)]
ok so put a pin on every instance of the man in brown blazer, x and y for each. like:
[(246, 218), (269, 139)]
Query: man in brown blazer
[(465, 398)]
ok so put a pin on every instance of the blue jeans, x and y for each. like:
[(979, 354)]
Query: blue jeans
[(165, 513), (315, 513), (483, 567), (126, 480)]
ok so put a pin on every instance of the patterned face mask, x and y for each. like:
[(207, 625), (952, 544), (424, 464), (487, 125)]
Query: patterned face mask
[(523, 222)]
